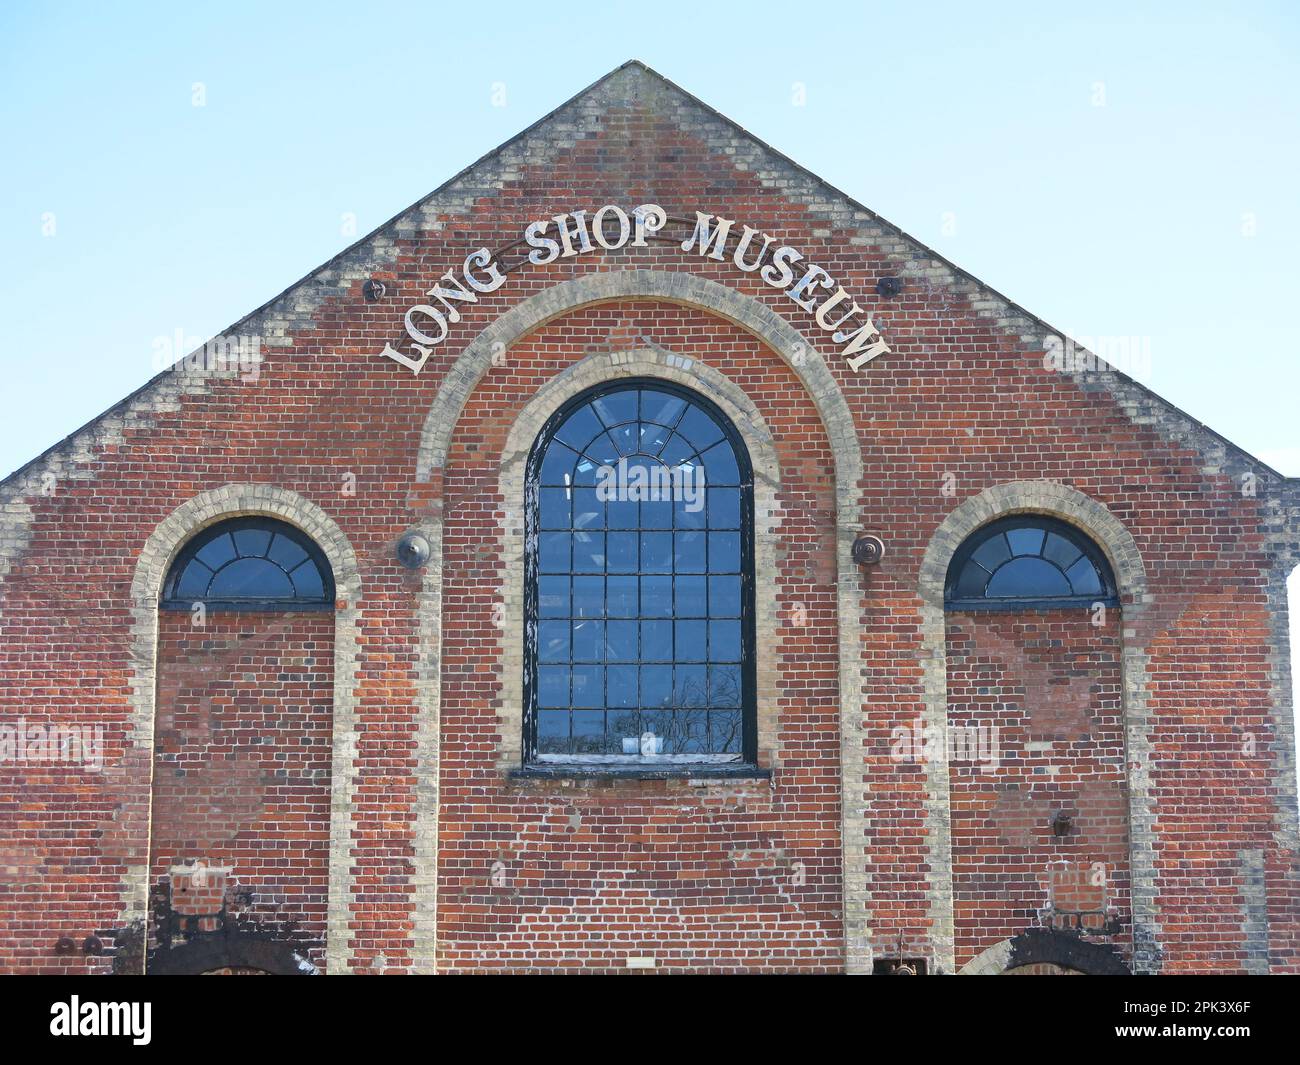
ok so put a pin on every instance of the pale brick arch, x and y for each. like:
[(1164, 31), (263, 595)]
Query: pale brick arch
[(161, 547), (806, 361), (990, 962), (643, 362), (235, 500), (1057, 500), (1036, 497), (750, 314)]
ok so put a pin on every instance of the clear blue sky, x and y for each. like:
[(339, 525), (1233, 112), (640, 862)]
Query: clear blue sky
[(1124, 219), (1120, 169)]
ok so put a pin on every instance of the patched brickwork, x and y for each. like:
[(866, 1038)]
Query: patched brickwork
[(1036, 732), (845, 851), (241, 790)]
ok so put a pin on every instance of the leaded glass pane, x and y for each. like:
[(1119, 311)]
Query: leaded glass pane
[(1027, 578), (638, 540), (1028, 561), (249, 563)]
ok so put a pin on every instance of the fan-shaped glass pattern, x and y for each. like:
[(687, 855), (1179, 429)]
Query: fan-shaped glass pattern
[(1028, 560), (250, 563)]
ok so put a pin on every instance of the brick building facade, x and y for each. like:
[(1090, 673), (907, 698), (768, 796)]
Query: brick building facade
[(1048, 730)]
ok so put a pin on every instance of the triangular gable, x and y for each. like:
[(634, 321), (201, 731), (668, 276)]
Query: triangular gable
[(278, 319)]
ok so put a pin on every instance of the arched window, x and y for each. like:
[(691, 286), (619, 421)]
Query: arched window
[(250, 564), (639, 577), (1028, 561)]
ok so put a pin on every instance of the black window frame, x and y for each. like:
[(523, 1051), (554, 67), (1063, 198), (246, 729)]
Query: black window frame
[(1108, 596), (325, 601), (746, 760)]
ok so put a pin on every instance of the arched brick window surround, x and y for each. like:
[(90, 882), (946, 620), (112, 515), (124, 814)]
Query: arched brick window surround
[(807, 362), (1092, 518), (155, 559)]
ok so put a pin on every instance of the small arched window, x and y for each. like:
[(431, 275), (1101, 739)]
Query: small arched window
[(1028, 561), (639, 578), (250, 564)]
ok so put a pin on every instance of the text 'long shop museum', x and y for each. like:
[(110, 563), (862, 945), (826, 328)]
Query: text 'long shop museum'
[(640, 556)]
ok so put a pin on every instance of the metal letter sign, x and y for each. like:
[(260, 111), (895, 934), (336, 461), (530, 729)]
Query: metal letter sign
[(565, 236)]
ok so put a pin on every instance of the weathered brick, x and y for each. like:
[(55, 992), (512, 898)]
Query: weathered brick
[(400, 841)]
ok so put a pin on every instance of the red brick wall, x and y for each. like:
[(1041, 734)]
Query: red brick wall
[(56, 833), (69, 832), (1049, 683), (1214, 790), (960, 394), (242, 772), (717, 876)]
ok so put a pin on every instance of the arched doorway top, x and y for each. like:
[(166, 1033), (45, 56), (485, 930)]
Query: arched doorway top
[(1047, 946)]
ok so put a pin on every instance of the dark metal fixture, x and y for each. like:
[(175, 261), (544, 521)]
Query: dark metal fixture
[(868, 550), (413, 550)]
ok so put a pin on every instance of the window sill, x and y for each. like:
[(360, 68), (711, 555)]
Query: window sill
[(641, 771)]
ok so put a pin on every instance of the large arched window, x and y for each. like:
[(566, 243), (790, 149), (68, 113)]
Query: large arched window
[(250, 564), (639, 577), (1028, 561)]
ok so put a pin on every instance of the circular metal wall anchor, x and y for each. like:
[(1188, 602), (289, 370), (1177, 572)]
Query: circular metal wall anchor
[(92, 945), (868, 550), (889, 287), (373, 290), (413, 550)]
